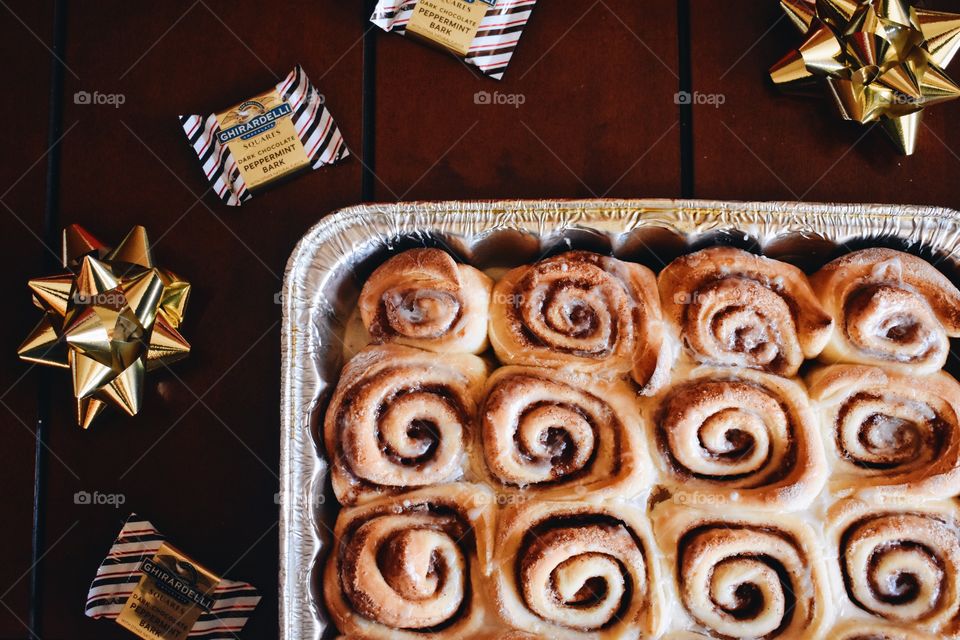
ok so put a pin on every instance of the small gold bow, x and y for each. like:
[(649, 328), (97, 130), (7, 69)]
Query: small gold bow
[(110, 318), (882, 60)]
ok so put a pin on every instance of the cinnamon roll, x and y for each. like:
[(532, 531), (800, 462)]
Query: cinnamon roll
[(582, 311), (733, 308), (862, 630), (737, 437), (562, 434), (401, 418), (745, 574), (887, 433), (411, 566), (423, 298), (572, 570), (900, 565), (891, 308)]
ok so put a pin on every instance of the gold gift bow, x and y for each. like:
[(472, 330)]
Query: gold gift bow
[(109, 319), (881, 59)]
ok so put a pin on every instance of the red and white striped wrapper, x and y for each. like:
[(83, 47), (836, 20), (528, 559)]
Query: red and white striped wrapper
[(316, 129), (119, 574), (497, 39)]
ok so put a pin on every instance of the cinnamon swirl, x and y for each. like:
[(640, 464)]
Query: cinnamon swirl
[(887, 433), (737, 437), (411, 566), (891, 308), (733, 308), (744, 574), (562, 434), (572, 570), (900, 565), (582, 311), (423, 298), (401, 418)]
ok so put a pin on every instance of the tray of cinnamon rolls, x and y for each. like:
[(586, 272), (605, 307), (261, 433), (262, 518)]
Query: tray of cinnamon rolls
[(622, 419)]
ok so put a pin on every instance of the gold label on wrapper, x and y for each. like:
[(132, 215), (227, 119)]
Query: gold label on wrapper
[(453, 24), (263, 140), (172, 593)]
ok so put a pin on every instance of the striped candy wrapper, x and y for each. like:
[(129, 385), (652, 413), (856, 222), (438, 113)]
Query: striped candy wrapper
[(495, 42), (119, 575), (315, 127)]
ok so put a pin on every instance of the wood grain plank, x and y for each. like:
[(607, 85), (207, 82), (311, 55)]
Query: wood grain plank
[(26, 29), (597, 84), (762, 145), (201, 461)]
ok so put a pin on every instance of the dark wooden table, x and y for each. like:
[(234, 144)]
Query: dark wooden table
[(598, 118)]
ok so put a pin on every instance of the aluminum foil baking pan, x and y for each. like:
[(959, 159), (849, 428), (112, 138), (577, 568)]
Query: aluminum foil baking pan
[(328, 268)]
